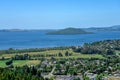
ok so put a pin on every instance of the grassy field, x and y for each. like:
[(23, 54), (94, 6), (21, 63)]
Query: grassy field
[(20, 62), (85, 56), (74, 55), (34, 55)]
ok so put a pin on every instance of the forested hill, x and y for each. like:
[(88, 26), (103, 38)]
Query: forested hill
[(68, 31), (107, 47)]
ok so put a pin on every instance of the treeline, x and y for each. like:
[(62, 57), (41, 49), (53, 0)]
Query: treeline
[(21, 73), (38, 56), (11, 50), (21, 57), (107, 47)]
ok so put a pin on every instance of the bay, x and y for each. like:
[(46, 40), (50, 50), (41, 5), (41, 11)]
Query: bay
[(38, 39)]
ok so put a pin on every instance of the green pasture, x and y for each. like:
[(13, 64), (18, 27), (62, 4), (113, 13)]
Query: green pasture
[(20, 62)]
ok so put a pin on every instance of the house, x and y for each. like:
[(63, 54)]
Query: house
[(67, 77), (91, 76)]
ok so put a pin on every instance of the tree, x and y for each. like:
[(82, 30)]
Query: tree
[(109, 52), (3, 58), (9, 62), (33, 70), (85, 77), (66, 53), (60, 54)]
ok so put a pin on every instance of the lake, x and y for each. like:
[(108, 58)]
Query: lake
[(36, 39)]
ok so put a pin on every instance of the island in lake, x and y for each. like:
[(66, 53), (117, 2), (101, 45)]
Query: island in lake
[(68, 31)]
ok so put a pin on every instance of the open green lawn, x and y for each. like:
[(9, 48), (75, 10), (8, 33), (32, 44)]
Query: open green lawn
[(2, 63), (84, 56), (20, 62)]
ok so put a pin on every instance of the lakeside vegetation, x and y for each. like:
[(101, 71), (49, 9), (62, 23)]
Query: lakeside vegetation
[(101, 59)]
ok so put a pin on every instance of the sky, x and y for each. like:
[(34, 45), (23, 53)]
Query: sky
[(58, 14)]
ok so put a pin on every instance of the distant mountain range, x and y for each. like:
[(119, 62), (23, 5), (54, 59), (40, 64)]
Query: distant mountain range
[(112, 28), (75, 30), (68, 31), (24, 30)]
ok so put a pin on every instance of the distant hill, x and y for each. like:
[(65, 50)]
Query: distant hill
[(68, 31), (112, 28), (25, 30), (12, 30)]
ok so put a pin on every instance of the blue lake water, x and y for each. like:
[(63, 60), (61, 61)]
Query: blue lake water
[(40, 40)]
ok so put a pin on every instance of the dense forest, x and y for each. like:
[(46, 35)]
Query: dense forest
[(21, 73)]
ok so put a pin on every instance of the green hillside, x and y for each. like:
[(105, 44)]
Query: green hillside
[(68, 31)]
